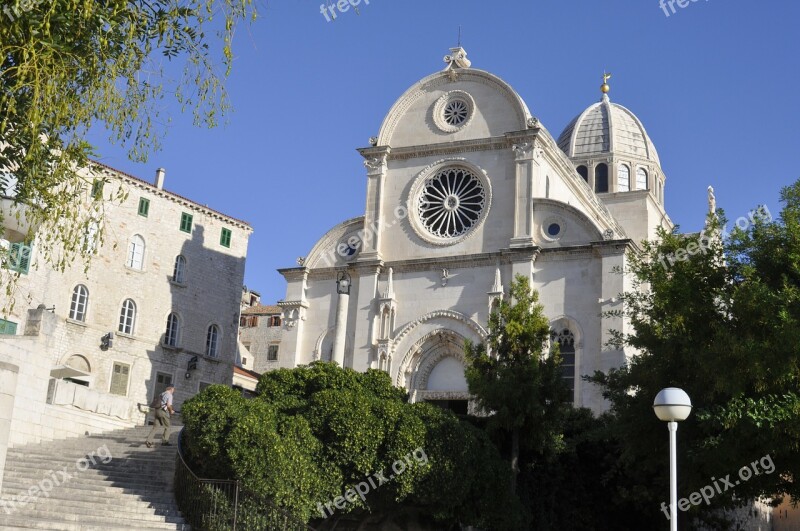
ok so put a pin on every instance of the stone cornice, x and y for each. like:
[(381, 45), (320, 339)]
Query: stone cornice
[(463, 261), (450, 148)]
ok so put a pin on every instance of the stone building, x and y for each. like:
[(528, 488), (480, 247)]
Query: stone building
[(159, 305), (465, 189), (260, 337)]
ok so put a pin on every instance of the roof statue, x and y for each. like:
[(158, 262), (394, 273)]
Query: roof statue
[(712, 201), (457, 58)]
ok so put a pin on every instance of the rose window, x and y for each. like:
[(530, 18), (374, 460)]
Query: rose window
[(451, 202), (456, 112)]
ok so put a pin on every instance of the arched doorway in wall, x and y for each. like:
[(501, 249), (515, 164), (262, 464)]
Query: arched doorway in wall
[(437, 375), (76, 369)]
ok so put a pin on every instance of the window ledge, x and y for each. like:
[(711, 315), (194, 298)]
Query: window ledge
[(123, 334), (177, 284), (76, 322), (129, 268), (164, 346)]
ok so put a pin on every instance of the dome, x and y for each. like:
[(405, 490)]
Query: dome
[(607, 127)]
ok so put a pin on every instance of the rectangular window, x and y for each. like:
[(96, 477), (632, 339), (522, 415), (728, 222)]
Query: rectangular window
[(8, 328), (97, 189), (144, 206), (274, 320), (225, 237), (19, 257), (186, 222), (244, 361), (272, 353), (119, 379)]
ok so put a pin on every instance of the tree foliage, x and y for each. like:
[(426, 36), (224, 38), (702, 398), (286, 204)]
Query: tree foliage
[(314, 432), (724, 325), (517, 380), (66, 65)]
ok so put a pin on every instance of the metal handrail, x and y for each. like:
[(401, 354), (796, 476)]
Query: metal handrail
[(222, 504)]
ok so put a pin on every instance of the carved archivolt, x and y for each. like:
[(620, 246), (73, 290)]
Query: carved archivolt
[(412, 363), (446, 314)]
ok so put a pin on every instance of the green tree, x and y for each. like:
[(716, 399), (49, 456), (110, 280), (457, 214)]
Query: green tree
[(314, 432), (723, 324), (66, 65), (517, 380)]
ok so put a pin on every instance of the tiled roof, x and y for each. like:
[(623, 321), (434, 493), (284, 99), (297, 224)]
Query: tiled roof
[(246, 372), (262, 310), (607, 127), (168, 193)]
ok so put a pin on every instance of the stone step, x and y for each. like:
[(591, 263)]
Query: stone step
[(132, 490), (98, 517), (132, 474), (83, 506), (87, 489), (19, 522)]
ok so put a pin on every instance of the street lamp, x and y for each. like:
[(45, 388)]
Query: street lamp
[(672, 405), (343, 283)]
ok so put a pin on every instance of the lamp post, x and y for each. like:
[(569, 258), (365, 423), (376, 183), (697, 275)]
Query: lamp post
[(343, 283), (672, 405)]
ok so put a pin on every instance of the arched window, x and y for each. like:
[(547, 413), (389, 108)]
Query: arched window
[(641, 179), (127, 317), (135, 258), (566, 342), (212, 343), (178, 272), (583, 171), (601, 178), (80, 299), (623, 178), (172, 335), (661, 191), (547, 187)]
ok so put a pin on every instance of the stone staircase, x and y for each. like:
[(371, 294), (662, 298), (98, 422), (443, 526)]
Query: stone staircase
[(101, 482)]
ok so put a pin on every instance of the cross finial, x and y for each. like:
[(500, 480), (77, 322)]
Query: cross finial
[(459, 35)]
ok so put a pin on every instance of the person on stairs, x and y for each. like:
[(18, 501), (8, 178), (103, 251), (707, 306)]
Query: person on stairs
[(163, 412)]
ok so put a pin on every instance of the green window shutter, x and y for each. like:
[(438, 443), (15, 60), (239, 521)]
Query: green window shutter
[(186, 222), (97, 189), (225, 238), (19, 257), (8, 328), (144, 206)]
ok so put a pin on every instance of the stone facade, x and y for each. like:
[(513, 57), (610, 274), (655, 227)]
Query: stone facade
[(465, 189), (260, 339), (105, 341)]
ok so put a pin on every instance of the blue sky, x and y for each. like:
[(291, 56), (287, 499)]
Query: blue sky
[(714, 83)]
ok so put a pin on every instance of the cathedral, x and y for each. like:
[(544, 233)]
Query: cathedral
[(465, 189)]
